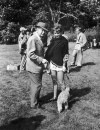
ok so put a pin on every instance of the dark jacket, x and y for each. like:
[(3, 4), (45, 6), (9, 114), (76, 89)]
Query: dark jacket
[(57, 50)]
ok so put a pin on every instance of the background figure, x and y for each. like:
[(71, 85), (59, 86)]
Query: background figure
[(57, 55), (35, 62), (22, 40), (80, 43), (49, 37), (28, 33)]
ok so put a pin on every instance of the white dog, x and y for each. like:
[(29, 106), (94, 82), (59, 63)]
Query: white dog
[(63, 99)]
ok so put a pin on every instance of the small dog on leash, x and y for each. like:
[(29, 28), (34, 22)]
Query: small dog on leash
[(63, 99)]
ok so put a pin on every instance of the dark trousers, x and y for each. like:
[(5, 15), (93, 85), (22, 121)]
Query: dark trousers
[(35, 85)]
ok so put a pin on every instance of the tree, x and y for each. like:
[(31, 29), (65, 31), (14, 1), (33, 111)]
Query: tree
[(53, 11), (17, 11), (85, 12)]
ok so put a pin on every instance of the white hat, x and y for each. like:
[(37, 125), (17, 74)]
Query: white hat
[(22, 29)]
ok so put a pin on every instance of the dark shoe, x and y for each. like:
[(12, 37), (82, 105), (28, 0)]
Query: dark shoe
[(72, 65), (78, 66)]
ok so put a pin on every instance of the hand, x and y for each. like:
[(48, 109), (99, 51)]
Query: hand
[(44, 61), (65, 59), (64, 68)]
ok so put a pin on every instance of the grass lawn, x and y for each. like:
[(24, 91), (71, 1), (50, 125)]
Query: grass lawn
[(84, 109)]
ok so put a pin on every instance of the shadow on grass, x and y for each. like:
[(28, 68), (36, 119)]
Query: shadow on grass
[(46, 99), (77, 69), (24, 123), (88, 63), (76, 94)]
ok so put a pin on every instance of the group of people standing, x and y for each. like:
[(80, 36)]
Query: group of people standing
[(36, 59)]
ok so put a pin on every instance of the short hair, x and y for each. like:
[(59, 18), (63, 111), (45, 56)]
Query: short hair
[(22, 29), (79, 28), (58, 27)]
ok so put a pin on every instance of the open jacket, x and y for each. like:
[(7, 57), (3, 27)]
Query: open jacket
[(35, 54), (81, 39)]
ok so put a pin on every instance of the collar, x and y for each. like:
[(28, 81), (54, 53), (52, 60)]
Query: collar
[(36, 34)]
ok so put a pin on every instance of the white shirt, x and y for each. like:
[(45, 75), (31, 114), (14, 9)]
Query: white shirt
[(81, 39)]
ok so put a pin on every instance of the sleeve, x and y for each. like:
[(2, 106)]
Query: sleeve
[(66, 53), (47, 57), (77, 39), (84, 40), (66, 47), (19, 38), (19, 42), (22, 41), (31, 53)]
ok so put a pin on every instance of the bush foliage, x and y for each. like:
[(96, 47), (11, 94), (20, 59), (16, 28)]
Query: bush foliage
[(17, 13), (9, 33)]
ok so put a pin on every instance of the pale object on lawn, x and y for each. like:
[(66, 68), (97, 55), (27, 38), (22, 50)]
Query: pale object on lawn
[(12, 67), (91, 44)]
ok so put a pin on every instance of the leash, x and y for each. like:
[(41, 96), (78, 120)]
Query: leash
[(68, 79)]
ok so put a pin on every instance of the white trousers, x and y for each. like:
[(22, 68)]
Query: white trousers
[(77, 56)]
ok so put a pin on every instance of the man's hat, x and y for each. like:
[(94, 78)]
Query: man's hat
[(22, 29), (42, 25)]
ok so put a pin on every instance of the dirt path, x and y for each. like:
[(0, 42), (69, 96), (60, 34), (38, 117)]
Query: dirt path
[(84, 110)]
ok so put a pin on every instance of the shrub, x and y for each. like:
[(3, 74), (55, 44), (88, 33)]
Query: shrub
[(3, 25), (9, 34)]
